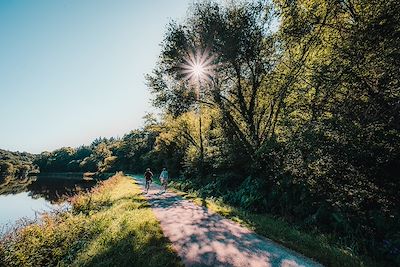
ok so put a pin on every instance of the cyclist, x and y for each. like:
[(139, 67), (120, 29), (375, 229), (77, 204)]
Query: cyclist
[(148, 175), (164, 178)]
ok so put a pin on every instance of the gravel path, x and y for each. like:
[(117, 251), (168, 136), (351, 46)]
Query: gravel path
[(203, 238)]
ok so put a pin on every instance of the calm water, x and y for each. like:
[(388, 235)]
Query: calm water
[(24, 199)]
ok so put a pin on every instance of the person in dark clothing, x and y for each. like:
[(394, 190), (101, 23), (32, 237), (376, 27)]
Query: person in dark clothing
[(148, 175)]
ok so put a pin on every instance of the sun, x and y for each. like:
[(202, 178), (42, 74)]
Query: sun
[(198, 67), (198, 70)]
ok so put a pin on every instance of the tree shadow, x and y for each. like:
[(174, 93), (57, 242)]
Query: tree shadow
[(126, 250), (203, 238)]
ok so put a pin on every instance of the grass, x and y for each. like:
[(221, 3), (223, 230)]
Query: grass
[(111, 226), (324, 249)]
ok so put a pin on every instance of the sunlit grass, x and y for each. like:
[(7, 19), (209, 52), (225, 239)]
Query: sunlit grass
[(112, 226)]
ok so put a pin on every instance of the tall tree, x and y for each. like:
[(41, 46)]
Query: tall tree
[(236, 43)]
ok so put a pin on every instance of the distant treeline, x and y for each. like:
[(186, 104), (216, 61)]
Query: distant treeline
[(15, 164), (104, 155)]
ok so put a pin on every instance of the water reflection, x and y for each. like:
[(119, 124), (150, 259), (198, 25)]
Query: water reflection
[(17, 206), (56, 189), (25, 197)]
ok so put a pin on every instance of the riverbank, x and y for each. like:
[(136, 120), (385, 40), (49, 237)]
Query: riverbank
[(77, 175), (111, 225)]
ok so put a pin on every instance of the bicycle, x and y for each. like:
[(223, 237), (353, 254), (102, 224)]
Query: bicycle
[(164, 184), (147, 185)]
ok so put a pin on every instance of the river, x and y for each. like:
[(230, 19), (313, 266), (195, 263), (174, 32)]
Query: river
[(28, 197)]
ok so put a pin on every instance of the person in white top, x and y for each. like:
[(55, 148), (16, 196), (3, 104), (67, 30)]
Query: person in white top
[(164, 178)]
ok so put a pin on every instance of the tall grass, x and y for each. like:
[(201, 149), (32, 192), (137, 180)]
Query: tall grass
[(110, 226)]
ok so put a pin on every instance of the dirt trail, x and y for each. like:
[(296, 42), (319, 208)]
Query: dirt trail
[(203, 238)]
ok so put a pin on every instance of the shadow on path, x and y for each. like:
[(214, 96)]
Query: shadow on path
[(203, 238)]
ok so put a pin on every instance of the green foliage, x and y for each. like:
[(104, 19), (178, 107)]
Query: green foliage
[(15, 164), (248, 195), (56, 239), (308, 113)]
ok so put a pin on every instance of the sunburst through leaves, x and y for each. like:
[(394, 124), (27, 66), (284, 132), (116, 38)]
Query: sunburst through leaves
[(198, 66)]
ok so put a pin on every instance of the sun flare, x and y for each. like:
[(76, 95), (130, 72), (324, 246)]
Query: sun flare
[(198, 67)]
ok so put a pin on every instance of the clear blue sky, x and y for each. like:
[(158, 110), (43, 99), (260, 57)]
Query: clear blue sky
[(73, 70)]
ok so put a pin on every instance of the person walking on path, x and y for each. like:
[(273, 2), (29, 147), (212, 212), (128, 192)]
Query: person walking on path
[(164, 179), (148, 175)]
